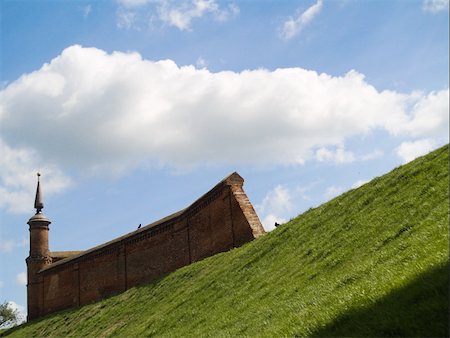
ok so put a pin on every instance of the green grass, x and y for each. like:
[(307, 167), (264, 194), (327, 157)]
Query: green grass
[(371, 262)]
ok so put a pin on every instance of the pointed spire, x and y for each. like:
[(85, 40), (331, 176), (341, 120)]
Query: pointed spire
[(38, 201)]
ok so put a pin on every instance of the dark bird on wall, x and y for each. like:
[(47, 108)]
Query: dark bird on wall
[(139, 226)]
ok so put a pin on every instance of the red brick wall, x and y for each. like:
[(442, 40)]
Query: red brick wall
[(102, 276), (220, 220), (157, 255), (58, 290)]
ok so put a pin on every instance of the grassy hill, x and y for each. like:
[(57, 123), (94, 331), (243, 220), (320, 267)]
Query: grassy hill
[(371, 262)]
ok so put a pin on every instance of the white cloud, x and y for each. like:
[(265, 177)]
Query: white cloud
[(277, 200), (269, 221), (21, 278), (338, 156), (18, 168), (274, 207), (429, 117), (93, 112), (133, 3), (125, 18), (332, 192), (408, 151), (293, 26), (435, 6), (359, 183), (227, 13), (182, 16), (8, 245), (179, 14)]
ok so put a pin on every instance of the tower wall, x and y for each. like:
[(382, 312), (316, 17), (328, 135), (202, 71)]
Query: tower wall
[(38, 259)]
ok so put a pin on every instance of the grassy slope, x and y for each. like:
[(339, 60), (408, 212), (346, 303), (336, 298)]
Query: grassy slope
[(372, 262)]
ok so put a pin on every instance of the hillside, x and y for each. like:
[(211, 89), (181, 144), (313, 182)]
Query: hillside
[(371, 262)]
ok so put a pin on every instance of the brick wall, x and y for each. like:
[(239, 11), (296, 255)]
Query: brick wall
[(221, 219)]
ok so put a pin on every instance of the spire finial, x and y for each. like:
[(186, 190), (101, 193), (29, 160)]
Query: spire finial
[(38, 202)]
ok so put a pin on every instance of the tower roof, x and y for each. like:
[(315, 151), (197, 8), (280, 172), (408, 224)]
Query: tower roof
[(38, 201)]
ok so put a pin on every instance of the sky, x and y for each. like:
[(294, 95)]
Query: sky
[(132, 109)]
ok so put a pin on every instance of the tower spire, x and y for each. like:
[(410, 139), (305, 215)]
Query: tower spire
[(38, 201), (39, 256)]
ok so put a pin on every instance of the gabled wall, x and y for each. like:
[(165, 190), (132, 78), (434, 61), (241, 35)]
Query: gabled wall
[(221, 219)]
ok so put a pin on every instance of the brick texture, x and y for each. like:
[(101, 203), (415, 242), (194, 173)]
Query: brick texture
[(221, 219)]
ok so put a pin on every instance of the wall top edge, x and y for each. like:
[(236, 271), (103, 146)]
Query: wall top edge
[(232, 179)]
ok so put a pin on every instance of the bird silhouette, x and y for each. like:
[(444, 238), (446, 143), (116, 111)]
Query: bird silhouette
[(139, 226)]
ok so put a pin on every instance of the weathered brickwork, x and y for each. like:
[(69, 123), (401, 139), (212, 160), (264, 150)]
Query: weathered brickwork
[(221, 219)]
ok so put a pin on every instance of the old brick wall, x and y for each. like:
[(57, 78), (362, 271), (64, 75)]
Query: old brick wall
[(149, 258), (220, 220), (58, 290), (102, 276)]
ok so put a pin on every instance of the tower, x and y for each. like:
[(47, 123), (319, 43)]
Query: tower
[(39, 256)]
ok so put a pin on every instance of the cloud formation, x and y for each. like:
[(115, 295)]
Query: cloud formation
[(179, 14), (435, 6), (409, 151), (95, 112), (133, 3), (18, 167), (126, 18), (337, 156), (428, 116), (274, 207), (293, 26)]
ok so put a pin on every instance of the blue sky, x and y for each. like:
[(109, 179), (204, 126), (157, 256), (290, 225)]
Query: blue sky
[(132, 109)]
